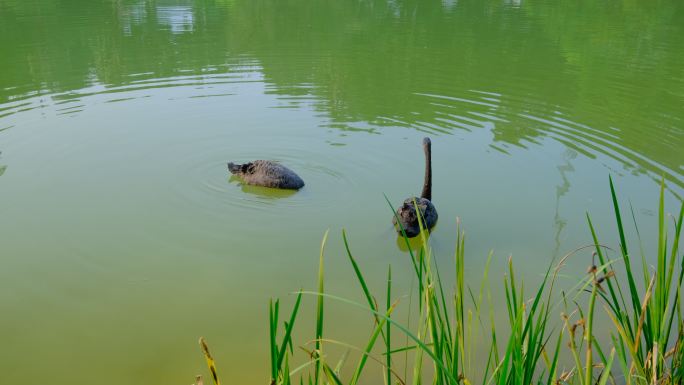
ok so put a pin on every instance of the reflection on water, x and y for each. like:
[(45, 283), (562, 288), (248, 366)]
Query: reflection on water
[(413, 244), (265, 193), (513, 3), (117, 118), (449, 4), (176, 17), (132, 15), (436, 76), (3, 167), (179, 19), (562, 190)]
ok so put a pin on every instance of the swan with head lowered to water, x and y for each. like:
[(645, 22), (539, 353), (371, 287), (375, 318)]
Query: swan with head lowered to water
[(406, 214), (267, 173)]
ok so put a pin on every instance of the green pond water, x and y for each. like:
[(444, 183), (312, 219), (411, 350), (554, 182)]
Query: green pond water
[(123, 239)]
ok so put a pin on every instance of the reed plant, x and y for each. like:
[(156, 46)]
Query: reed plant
[(646, 319), (544, 329)]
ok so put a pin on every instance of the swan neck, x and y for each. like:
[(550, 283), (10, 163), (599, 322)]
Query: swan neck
[(427, 184)]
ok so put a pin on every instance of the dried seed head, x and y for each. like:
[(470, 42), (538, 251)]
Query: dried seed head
[(565, 376)]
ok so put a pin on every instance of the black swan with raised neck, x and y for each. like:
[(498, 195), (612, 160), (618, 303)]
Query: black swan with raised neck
[(406, 214)]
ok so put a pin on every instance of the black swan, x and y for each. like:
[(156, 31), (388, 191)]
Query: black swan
[(407, 212), (267, 173)]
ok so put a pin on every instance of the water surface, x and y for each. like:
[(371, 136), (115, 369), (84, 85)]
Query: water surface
[(124, 239)]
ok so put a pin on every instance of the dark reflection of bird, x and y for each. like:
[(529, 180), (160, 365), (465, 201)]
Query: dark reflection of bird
[(267, 173), (407, 211)]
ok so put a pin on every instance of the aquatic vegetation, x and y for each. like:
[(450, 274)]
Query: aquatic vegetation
[(550, 335)]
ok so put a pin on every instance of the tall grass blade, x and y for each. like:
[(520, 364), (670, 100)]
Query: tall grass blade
[(606, 370), (288, 331), (388, 336), (369, 347), (319, 310)]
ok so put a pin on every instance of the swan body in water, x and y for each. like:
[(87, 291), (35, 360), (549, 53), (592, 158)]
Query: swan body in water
[(406, 213), (267, 173)]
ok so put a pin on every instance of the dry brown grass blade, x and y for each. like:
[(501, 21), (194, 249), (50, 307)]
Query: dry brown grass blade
[(644, 304), (210, 360), (352, 347), (655, 364)]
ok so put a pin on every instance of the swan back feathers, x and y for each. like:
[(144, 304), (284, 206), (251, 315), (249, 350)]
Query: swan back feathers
[(267, 173)]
